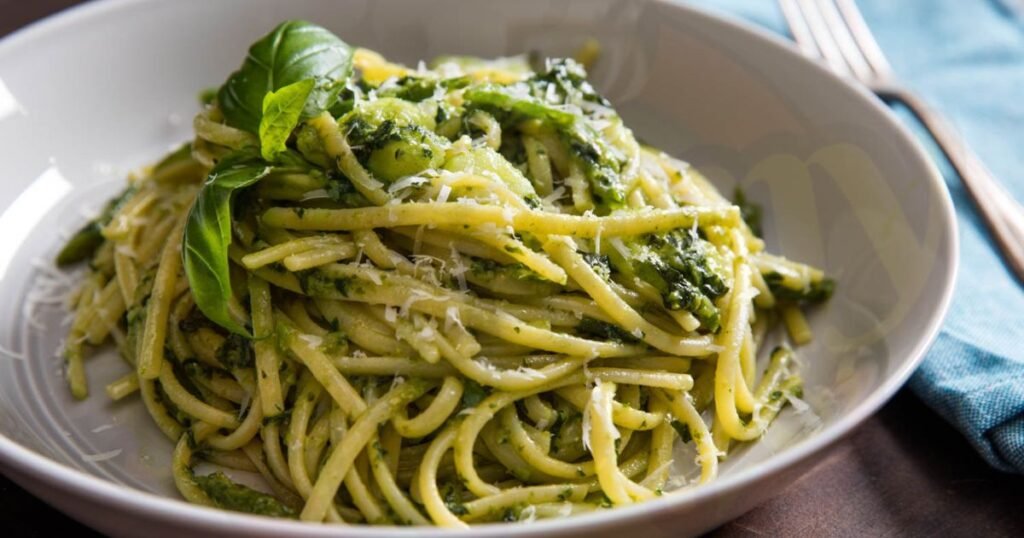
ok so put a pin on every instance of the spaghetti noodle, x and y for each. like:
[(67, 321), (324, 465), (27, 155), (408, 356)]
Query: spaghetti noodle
[(444, 296)]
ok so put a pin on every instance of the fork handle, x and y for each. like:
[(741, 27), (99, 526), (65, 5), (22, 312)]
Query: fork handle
[(1001, 213)]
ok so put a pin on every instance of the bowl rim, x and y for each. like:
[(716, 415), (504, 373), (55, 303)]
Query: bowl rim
[(143, 504)]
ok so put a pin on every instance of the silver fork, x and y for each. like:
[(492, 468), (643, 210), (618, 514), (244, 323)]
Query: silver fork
[(835, 32)]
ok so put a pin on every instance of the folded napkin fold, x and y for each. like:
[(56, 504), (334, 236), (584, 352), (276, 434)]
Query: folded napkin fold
[(967, 59)]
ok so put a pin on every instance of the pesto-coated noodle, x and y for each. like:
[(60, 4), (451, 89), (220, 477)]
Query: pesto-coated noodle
[(436, 296)]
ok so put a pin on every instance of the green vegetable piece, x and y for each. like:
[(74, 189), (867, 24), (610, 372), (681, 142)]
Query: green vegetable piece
[(208, 236), (89, 238), (543, 97), (589, 149), (207, 96), (311, 147), (817, 291), (484, 159), (750, 211), (682, 267), (81, 246), (412, 150), (281, 112), (513, 99), (368, 115), (292, 52), (231, 495), (564, 81), (418, 89), (393, 138)]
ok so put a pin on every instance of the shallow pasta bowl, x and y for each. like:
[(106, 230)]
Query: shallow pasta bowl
[(89, 94)]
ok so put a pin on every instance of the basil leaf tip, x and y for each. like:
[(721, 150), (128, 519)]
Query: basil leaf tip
[(207, 237)]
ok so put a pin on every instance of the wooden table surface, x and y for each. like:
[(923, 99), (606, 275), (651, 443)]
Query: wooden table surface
[(904, 472)]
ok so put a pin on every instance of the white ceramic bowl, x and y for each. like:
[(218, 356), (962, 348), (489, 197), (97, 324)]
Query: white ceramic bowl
[(108, 86)]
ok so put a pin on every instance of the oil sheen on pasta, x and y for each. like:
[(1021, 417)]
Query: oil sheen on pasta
[(448, 295)]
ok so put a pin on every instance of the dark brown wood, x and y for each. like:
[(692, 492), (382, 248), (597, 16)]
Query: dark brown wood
[(15, 14), (904, 472)]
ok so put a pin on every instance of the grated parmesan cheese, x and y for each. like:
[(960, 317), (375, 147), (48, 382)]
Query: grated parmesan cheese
[(311, 339), (49, 287), (417, 242), (374, 276), (458, 269), (651, 478), (452, 318), (552, 94), (443, 193), (529, 373), (619, 246), (415, 296), (586, 430), (12, 354), (102, 456), (243, 406), (808, 418), (600, 404), (406, 182), (426, 333), (314, 194), (555, 196)]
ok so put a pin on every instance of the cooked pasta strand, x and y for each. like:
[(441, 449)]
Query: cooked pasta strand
[(450, 296)]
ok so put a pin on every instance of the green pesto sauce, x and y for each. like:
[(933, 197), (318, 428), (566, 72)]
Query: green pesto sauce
[(234, 496)]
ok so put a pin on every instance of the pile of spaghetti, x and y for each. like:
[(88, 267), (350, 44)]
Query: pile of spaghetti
[(442, 295)]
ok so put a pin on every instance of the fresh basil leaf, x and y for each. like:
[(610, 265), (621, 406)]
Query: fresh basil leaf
[(207, 96), (208, 236), (294, 51), (281, 111)]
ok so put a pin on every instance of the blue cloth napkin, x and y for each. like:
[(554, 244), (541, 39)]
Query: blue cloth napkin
[(966, 57)]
